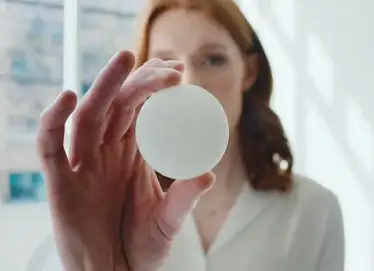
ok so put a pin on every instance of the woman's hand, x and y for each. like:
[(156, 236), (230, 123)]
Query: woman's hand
[(107, 207)]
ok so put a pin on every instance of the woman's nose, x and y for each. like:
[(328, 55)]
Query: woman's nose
[(190, 76)]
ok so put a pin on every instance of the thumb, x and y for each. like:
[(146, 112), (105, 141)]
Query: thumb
[(179, 202)]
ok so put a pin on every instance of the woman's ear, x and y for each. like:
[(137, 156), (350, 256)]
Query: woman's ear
[(251, 71)]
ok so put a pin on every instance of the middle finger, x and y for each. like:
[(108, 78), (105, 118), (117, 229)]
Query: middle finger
[(153, 76)]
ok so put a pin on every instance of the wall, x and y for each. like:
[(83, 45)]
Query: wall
[(323, 59)]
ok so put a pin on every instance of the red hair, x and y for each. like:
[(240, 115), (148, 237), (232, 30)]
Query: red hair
[(262, 138)]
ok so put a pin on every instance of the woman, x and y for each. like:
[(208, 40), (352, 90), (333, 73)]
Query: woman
[(108, 209)]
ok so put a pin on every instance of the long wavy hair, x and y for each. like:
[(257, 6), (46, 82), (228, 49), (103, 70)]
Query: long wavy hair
[(264, 146)]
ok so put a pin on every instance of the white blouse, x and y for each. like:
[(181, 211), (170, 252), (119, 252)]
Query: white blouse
[(265, 231)]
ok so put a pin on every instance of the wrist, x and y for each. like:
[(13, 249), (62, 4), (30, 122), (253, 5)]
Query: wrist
[(92, 263)]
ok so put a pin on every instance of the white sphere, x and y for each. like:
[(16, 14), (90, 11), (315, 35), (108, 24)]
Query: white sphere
[(182, 132)]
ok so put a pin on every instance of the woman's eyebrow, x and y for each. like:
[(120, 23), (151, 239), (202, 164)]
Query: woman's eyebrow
[(212, 45), (161, 53), (204, 47)]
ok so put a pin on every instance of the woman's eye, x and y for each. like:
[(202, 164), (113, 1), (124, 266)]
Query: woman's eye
[(216, 60)]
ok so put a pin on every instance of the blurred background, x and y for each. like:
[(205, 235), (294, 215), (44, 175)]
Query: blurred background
[(323, 60)]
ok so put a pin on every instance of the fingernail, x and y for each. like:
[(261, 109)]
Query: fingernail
[(76, 167), (207, 182), (196, 201), (176, 64), (113, 57), (203, 192)]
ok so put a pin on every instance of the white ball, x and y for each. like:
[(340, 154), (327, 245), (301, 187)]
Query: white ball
[(182, 132)]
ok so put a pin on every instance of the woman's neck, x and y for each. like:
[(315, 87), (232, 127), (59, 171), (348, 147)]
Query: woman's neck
[(230, 171), (214, 207)]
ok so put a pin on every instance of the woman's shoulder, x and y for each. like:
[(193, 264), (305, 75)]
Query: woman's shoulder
[(310, 194)]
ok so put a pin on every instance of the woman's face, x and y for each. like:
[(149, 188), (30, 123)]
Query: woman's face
[(212, 59)]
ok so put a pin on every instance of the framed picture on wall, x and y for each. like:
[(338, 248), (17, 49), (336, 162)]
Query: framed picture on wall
[(26, 186)]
